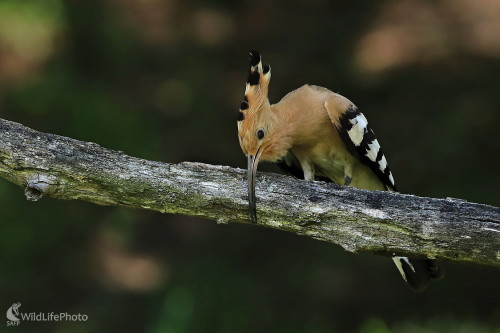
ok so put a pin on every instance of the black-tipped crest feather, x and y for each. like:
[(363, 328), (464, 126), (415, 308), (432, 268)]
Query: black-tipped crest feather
[(253, 78), (254, 58), (244, 105), (241, 116)]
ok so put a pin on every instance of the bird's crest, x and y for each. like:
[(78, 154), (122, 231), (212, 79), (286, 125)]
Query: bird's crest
[(256, 88)]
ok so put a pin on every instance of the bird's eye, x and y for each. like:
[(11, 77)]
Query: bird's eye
[(260, 134)]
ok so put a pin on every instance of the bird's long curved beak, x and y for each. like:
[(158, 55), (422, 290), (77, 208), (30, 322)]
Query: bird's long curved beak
[(253, 161)]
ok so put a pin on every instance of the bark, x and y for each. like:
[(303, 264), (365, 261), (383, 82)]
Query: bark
[(48, 165)]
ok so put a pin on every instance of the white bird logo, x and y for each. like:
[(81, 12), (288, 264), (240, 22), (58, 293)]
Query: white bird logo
[(13, 311)]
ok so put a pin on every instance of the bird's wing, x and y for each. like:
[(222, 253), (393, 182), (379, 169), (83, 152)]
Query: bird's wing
[(359, 139)]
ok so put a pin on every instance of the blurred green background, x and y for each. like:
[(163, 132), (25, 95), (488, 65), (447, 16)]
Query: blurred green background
[(163, 79)]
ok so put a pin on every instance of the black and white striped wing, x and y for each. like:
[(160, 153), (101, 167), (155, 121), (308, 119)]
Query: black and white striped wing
[(361, 142)]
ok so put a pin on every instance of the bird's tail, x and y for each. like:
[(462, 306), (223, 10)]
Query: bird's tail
[(418, 273)]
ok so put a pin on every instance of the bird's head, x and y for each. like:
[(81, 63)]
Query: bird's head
[(260, 133)]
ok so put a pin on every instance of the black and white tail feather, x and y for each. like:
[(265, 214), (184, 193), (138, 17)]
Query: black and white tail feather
[(418, 273)]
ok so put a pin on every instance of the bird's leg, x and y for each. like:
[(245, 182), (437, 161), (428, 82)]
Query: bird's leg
[(308, 169), (347, 176)]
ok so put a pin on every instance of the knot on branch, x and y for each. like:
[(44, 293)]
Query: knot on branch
[(38, 185)]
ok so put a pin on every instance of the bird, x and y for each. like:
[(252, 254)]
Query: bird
[(313, 133)]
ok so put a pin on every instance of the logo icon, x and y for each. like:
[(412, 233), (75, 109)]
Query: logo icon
[(13, 311)]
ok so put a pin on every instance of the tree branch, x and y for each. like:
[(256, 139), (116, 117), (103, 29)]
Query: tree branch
[(48, 165)]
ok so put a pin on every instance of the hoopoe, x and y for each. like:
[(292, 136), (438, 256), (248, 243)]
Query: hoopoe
[(314, 133)]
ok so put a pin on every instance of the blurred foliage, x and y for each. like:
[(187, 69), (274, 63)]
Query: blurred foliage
[(162, 80)]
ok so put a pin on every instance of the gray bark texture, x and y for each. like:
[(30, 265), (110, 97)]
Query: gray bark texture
[(48, 165)]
